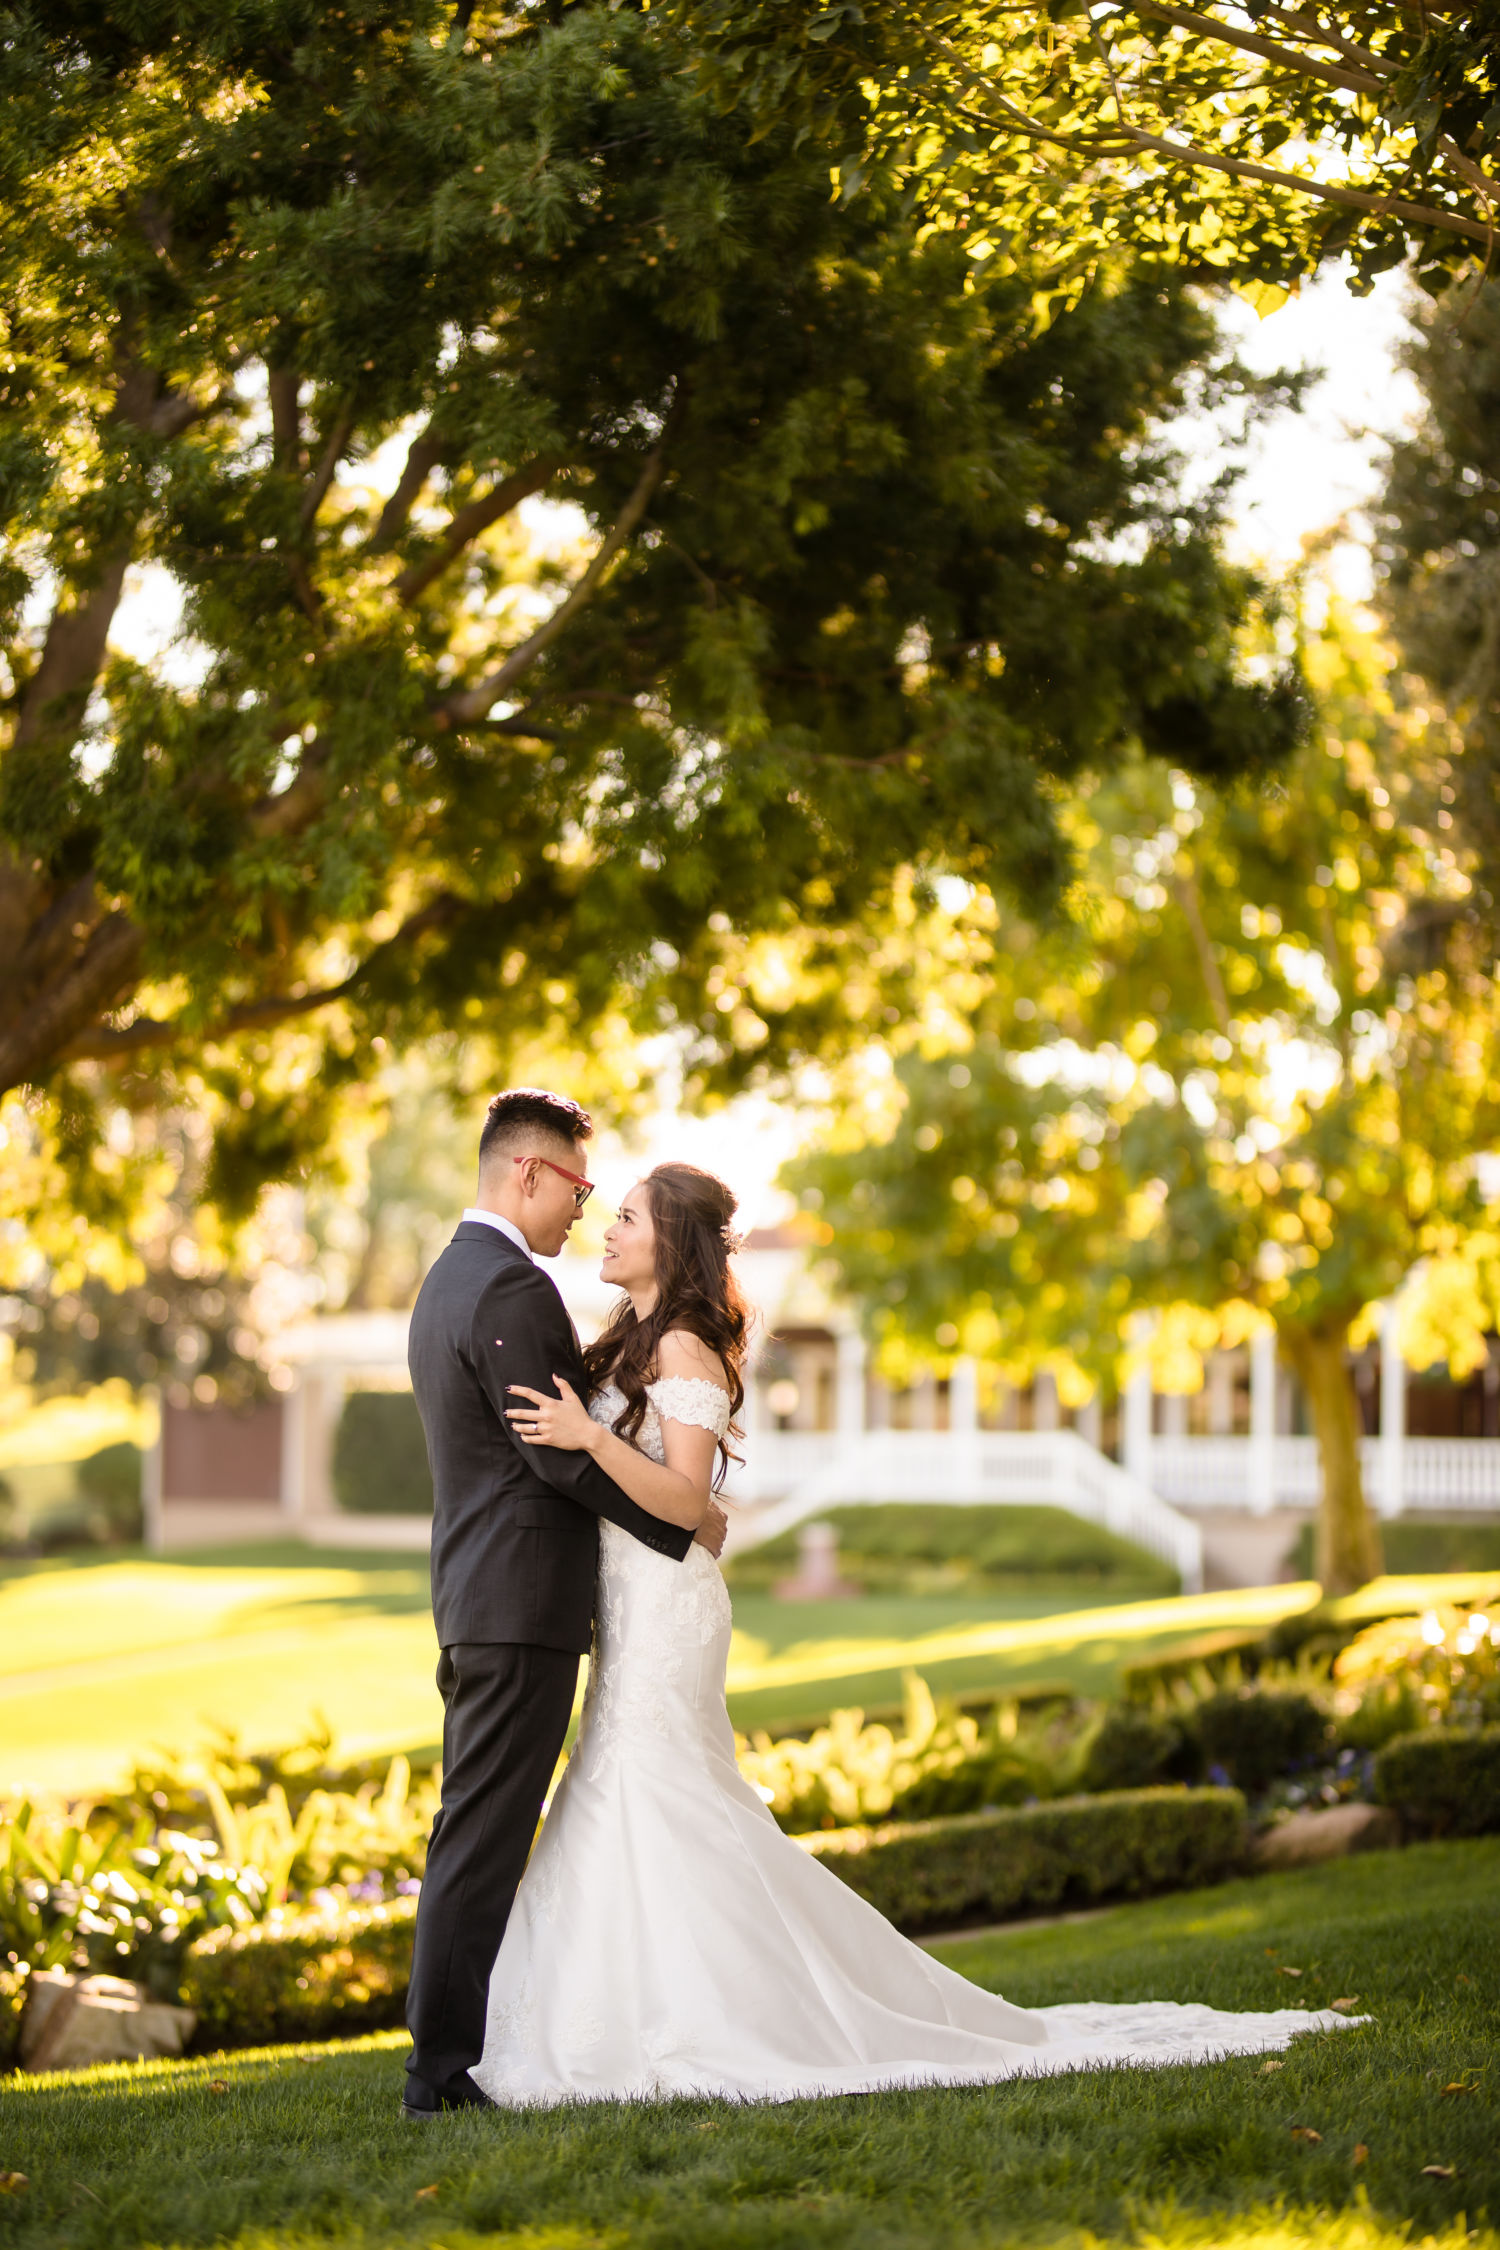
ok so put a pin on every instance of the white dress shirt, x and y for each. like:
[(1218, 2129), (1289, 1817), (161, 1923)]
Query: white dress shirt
[(506, 1227)]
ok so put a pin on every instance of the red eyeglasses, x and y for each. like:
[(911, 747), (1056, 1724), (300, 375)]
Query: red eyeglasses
[(582, 1188)]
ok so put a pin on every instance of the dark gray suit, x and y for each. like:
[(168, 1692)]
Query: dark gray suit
[(514, 1551)]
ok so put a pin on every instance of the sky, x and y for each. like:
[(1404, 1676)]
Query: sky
[(1304, 472)]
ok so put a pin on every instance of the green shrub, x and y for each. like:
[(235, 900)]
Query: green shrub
[(1069, 1853), (1444, 1780), (914, 1547), (1415, 1547), (306, 1976), (13, 1986), (1259, 1735), (380, 1456), (1131, 1749), (935, 1760), (110, 1482)]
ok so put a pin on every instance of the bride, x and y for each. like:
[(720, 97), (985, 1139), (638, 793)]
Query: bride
[(667, 1938)]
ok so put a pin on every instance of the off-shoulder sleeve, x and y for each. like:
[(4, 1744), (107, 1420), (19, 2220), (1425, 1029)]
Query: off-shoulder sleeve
[(688, 1398)]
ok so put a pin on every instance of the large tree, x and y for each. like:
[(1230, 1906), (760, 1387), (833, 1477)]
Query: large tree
[(300, 306), (1252, 1077), (1261, 138), (1439, 554)]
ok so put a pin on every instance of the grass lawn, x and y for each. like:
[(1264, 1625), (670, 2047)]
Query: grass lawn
[(104, 1657), (297, 2150)]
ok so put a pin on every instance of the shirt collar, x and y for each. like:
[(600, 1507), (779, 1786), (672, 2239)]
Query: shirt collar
[(503, 1225)]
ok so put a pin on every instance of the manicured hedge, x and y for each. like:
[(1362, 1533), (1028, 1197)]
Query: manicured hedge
[(934, 1873), (380, 1456), (1445, 1781), (309, 1976)]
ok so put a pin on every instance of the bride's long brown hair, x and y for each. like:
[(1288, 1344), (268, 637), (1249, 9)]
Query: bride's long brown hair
[(691, 1214)]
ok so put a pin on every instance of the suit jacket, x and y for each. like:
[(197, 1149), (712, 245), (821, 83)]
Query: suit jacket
[(515, 1534)]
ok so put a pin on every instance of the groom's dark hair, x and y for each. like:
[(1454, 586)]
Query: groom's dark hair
[(527, 1113)]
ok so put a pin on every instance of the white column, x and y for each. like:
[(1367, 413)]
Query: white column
[(154, 1526), (850, 1393), (294, 1451), (1261, 1481), (1135, 1417), (1392, 1491), (1089, 1422), (1044, 1411), (963, 1429), (1220, 1374), (1174, 1414)]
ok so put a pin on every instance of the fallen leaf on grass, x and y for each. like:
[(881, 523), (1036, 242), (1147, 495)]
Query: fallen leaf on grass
[(1305, 2133), (1273, 2064), (707, 2126), (1347, 2000), (218, 2085), (1462, 1979), (1438, 2171), (1283, 1971), (1460, 2086), (425, 2195), (13, 2183), (1360, 2152)]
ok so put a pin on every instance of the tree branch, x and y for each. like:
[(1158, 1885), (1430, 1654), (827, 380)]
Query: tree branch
[(103, 1044), (471, 521), (286, 417), (1185, 884), (1209, 27), (474, 702), (423, 455), (103, 974), (72, 653), (333, 451), (1188, 152)]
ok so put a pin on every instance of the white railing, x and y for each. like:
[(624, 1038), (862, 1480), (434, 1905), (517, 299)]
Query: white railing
[(1461, 1475), (1457, 1473), (1055, 1468)]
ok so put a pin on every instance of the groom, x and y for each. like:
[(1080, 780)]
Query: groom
[(514, 1551)]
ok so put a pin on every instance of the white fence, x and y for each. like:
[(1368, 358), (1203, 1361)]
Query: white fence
[(1055, 1468), (1443, 1476)]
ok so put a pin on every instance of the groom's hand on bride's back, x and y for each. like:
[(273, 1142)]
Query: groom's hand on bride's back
[(713, 1530)]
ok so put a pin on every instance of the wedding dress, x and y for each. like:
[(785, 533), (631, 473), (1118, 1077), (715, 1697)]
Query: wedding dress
[(668, 1939)]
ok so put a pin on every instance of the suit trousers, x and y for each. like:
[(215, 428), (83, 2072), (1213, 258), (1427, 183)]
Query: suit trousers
[(506, 1707)]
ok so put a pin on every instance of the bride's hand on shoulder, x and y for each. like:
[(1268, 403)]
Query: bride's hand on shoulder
[(562, 1422)]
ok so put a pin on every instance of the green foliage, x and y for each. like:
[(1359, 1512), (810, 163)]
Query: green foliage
[(1439, 550), (1129, 1748), (914, 1549), (943, 1761), (1257, 1736), (380, 1456), (301, 1976), (84, 1894), (1202, 136), (1244, 1081), (1069, 1853), (1446, 1783), (110, 1481), (845, 520)]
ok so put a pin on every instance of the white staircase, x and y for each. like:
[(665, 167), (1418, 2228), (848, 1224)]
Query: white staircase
[(1051, 1468)]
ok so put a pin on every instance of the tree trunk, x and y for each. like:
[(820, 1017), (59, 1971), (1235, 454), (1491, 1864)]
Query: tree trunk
[(1347, 1546)]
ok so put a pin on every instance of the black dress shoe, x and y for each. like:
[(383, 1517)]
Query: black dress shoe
[(421, 2101)]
